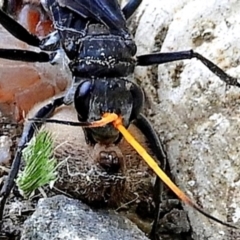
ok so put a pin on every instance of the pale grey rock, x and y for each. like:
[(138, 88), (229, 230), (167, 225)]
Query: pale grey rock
[(60, 217), (195, 113), (5, 144)]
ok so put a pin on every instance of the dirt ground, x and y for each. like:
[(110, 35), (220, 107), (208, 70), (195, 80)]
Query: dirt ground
[(11, 131)]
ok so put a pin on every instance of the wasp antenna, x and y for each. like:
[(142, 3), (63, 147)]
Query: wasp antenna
[(69, 123), (161, 174), (106, 118), (199, 209)]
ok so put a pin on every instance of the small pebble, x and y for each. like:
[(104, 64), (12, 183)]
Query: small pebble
[(5, 144)]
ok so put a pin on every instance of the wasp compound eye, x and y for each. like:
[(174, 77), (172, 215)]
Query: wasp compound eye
[(82, 99)]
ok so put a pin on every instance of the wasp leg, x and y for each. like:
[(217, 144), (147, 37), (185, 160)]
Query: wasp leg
[(160, 58), (130, 8), (49, 43), (18, 30), (24, 55), (27, 134), (155, 143), (157, 147)]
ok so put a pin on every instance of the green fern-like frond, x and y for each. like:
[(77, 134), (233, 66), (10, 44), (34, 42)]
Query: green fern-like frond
[(40, 164)]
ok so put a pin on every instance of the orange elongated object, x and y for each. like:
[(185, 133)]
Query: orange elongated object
[(160, 173), (117, 123), (106, 118)]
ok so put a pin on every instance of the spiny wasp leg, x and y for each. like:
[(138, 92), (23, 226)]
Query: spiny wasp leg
[(160, 58), (22, 34), (18, 30), (23, 55), (27, 134)]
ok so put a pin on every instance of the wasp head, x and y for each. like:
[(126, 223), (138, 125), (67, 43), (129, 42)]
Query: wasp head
[(94, 97)]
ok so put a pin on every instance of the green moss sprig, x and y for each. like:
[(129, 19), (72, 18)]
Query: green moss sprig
[(40, 164)]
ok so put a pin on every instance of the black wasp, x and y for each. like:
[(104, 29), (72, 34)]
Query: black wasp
[(94, 37)]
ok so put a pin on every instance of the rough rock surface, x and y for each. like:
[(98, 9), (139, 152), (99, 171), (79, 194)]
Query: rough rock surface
[(60, 217), (195, 113)]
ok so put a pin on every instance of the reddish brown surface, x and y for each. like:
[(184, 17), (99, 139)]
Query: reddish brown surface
[(32, 18), (24, 84), (15, 79)]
